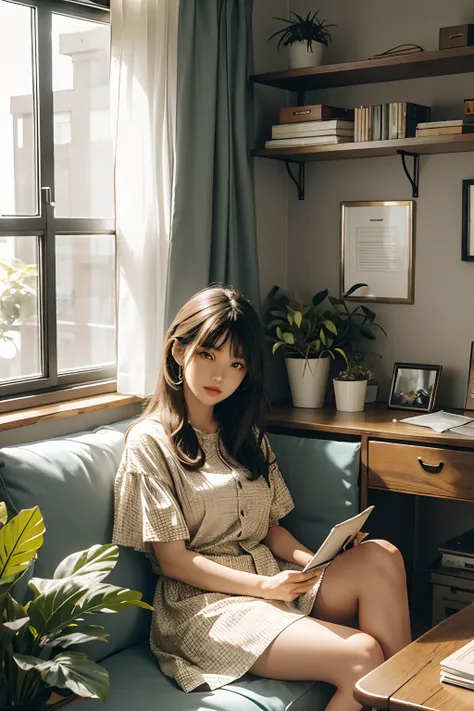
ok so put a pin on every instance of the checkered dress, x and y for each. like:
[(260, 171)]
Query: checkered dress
[(204, 637)]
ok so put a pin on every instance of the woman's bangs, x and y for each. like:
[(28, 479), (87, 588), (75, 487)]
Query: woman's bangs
[(228, 328)]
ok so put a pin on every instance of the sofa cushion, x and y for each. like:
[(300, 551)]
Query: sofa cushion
[(71, 479), (322, 476), (136, 682)]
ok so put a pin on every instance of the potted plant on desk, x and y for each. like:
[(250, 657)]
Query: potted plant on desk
[(307, 336), (354, 327), (305, 38)]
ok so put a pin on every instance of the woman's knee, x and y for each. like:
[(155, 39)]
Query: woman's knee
[(365, 654), (382, 557)]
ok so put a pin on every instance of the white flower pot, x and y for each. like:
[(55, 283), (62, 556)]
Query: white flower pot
[(350, 395), (308, 380), (300, 57)]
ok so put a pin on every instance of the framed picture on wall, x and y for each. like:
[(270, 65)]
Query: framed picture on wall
[(414, 386), (467, 245), (377, 250), (470, 382)]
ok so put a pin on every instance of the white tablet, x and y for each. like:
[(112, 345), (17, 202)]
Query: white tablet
[(338, 537)]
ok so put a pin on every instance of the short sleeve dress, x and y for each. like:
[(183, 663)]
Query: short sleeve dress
[(202, 637)]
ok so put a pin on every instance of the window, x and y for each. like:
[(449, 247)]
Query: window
[(57, 228)]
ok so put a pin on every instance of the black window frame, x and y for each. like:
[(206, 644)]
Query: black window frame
[(46, 226)]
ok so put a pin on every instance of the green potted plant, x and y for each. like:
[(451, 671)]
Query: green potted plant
[(354, 327), (35, 659), (305, 38), (307, 337)]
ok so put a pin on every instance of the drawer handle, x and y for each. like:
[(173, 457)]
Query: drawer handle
[(431, 468)]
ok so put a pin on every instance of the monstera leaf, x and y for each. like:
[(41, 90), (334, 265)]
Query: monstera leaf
[(69, 670)]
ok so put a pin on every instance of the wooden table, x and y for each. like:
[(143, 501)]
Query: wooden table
[(410, 679)]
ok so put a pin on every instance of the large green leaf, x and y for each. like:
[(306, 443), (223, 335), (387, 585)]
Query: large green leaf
[(95, 563), (56, 605), (353, 288), (110, 598), (61, 602), (78, 634), (319, 297), (69, 670), (20, 538), (331, 326)]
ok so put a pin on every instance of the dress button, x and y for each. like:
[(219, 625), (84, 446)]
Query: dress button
[(239, 484), (242, 513)]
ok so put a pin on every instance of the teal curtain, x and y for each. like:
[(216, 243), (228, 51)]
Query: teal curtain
[(213, 236)]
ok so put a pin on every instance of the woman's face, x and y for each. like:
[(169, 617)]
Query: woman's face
[(213, 374)]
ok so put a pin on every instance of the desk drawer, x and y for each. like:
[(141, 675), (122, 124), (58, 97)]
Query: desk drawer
[(429, 471)]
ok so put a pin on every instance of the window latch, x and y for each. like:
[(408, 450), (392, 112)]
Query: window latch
[(48, 196)]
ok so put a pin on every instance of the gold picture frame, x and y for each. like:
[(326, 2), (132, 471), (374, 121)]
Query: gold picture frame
[(377, 251), (470, 382)]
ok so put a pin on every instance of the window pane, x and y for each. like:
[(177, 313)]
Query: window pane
[(18, 186), (19, 295), (82, 137), (85, 289)]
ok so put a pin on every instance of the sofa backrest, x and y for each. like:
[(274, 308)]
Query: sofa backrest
[(71, 479), (323, 478)]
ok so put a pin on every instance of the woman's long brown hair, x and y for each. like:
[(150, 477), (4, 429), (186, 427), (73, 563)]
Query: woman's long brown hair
[(212, 317)]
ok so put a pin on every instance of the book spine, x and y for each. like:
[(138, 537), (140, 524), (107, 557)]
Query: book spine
[(462, 562), (403, 123)]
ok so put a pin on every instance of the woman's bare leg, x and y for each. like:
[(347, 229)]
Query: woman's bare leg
[(369, 580), (321, 651)]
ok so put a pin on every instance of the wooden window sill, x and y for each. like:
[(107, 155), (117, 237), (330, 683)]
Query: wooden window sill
[(60, 410)]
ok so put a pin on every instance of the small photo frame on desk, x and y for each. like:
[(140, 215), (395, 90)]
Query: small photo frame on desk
[(377, 250), (414, 387), (470, 382), (467, 245)]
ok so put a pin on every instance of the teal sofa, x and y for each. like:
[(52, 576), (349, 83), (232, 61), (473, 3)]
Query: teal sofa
[(71, 479)]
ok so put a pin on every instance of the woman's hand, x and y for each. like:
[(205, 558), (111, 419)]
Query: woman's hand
[(289, 584)]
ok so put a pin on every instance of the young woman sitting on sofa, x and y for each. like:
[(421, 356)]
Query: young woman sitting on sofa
[(199, 491)]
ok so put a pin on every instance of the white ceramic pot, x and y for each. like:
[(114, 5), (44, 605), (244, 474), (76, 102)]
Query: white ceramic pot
[(300, 57), (350, 395), (308, 380)]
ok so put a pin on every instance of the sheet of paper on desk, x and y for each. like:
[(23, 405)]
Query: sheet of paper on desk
[(439, 421), (464, 430)]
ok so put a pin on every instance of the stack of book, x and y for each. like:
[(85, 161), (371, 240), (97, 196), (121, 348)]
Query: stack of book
[(458, 668), (389, 121), (312, 126), (458, 552), (445, 128)]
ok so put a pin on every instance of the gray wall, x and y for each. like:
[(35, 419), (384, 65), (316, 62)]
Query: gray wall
[(439, 326)]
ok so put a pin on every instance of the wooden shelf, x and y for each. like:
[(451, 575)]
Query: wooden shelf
[(371, 71), (372, 149)]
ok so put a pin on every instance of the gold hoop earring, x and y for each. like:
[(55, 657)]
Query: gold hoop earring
[(180, 376)]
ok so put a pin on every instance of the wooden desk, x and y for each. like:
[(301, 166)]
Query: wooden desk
[(394, 456), (410, 679)]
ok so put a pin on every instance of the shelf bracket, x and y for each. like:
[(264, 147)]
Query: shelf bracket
[(299, 182), (415, 179)]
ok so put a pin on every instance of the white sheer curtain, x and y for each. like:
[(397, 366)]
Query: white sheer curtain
[(143, 85)]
